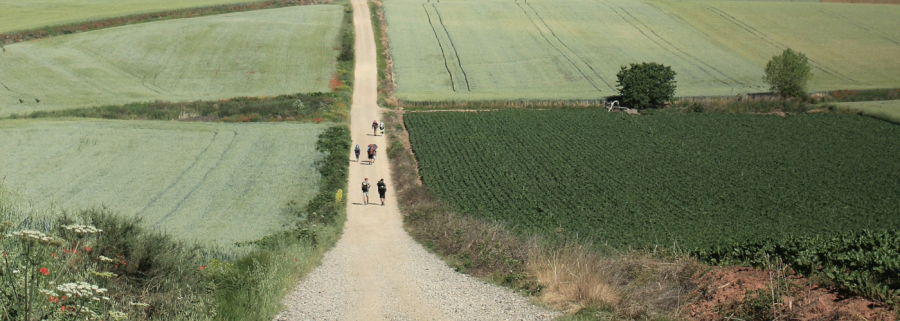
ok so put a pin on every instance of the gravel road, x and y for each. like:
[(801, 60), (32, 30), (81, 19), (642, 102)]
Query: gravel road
[(377, 271)]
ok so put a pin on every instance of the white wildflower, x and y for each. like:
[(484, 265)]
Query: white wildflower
[(139, 304), (105, 259), (118, 315), (82, 229), (80, 289)]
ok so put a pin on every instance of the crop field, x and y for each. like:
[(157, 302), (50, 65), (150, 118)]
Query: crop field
[(572, 49), (21, 15), (886, 109), (258, 53), (200, 181), (700, 180)]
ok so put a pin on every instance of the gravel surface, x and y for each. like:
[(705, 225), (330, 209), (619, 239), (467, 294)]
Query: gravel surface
[(377, 271)]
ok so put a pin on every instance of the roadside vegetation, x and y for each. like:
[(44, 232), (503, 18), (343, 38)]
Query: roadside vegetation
[(133, 269), (148, 275)]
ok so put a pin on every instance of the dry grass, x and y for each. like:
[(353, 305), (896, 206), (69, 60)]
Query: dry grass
[(569, 276), (387, 86)]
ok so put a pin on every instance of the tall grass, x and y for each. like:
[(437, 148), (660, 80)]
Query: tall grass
[(587, 281)]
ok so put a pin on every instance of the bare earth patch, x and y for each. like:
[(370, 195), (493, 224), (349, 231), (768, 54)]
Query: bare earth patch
[(722, 287)]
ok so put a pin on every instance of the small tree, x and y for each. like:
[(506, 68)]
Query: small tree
[(647, 84), (788, 74)]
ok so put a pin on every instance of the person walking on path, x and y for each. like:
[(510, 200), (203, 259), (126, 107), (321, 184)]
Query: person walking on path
[(382, 188), (356, 150), (375, 127), (381, 128), (365, 189)]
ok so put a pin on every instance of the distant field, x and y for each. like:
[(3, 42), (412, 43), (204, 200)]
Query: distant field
[(200, 181), (572, 49), (258, 53), (20, 15), (699, 180), (889, 109)]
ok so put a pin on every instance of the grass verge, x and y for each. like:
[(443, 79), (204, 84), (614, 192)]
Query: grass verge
[(566, 275), (386, 85)]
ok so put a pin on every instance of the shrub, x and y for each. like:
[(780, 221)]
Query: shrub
[(788, 74), (646, 85)]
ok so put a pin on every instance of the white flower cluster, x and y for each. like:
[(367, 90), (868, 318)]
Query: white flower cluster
[(82, 229), (80, 289), (118, 315), (32, 236), (105, 259)]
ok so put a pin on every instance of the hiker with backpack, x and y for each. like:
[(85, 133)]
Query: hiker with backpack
[(375, 128), (365, 189), (371, 152), (356, 150), (382, 189), (381, 128)]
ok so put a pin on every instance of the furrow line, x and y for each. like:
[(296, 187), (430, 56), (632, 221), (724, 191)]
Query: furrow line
[(685, 53), (202, 180), (452, 46), (567, 46), (443, 54), (861, 26), (583, 74), (180, 176), (664, 47), (764, 37)]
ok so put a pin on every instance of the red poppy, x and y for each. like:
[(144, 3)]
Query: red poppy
[(53, 255), (87, 249), (201, 268), (44, 271), (54, 299), (62, 308)]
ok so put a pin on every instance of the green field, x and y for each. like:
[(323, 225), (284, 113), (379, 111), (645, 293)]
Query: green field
[(572, 49), (637, 181), (887, 109), (21, 15), (258, 53), (200, 181)]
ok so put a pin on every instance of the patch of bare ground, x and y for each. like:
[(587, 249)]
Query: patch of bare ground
[(742, 293)]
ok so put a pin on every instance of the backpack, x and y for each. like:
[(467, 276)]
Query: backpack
[(357, 148), (365, 186)]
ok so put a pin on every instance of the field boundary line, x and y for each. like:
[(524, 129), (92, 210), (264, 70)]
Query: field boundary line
[(563, 54), (202, 180), (553, 33)]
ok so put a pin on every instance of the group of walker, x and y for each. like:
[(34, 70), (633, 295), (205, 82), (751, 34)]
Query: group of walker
[(371, 150)]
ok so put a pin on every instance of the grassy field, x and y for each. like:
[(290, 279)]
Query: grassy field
[(199, 181), (888, 109), (697, 179), (20, 15), (572, 49), (259, 53)]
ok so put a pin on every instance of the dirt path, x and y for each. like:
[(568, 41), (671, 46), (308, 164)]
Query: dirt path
[(376, 271)]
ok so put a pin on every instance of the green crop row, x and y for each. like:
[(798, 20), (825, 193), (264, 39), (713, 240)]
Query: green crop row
[(697, 180)]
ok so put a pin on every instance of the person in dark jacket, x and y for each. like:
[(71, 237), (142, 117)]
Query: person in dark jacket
[(382, 188)]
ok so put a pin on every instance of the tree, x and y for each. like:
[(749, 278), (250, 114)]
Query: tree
[(646, 85), (788, 74)]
